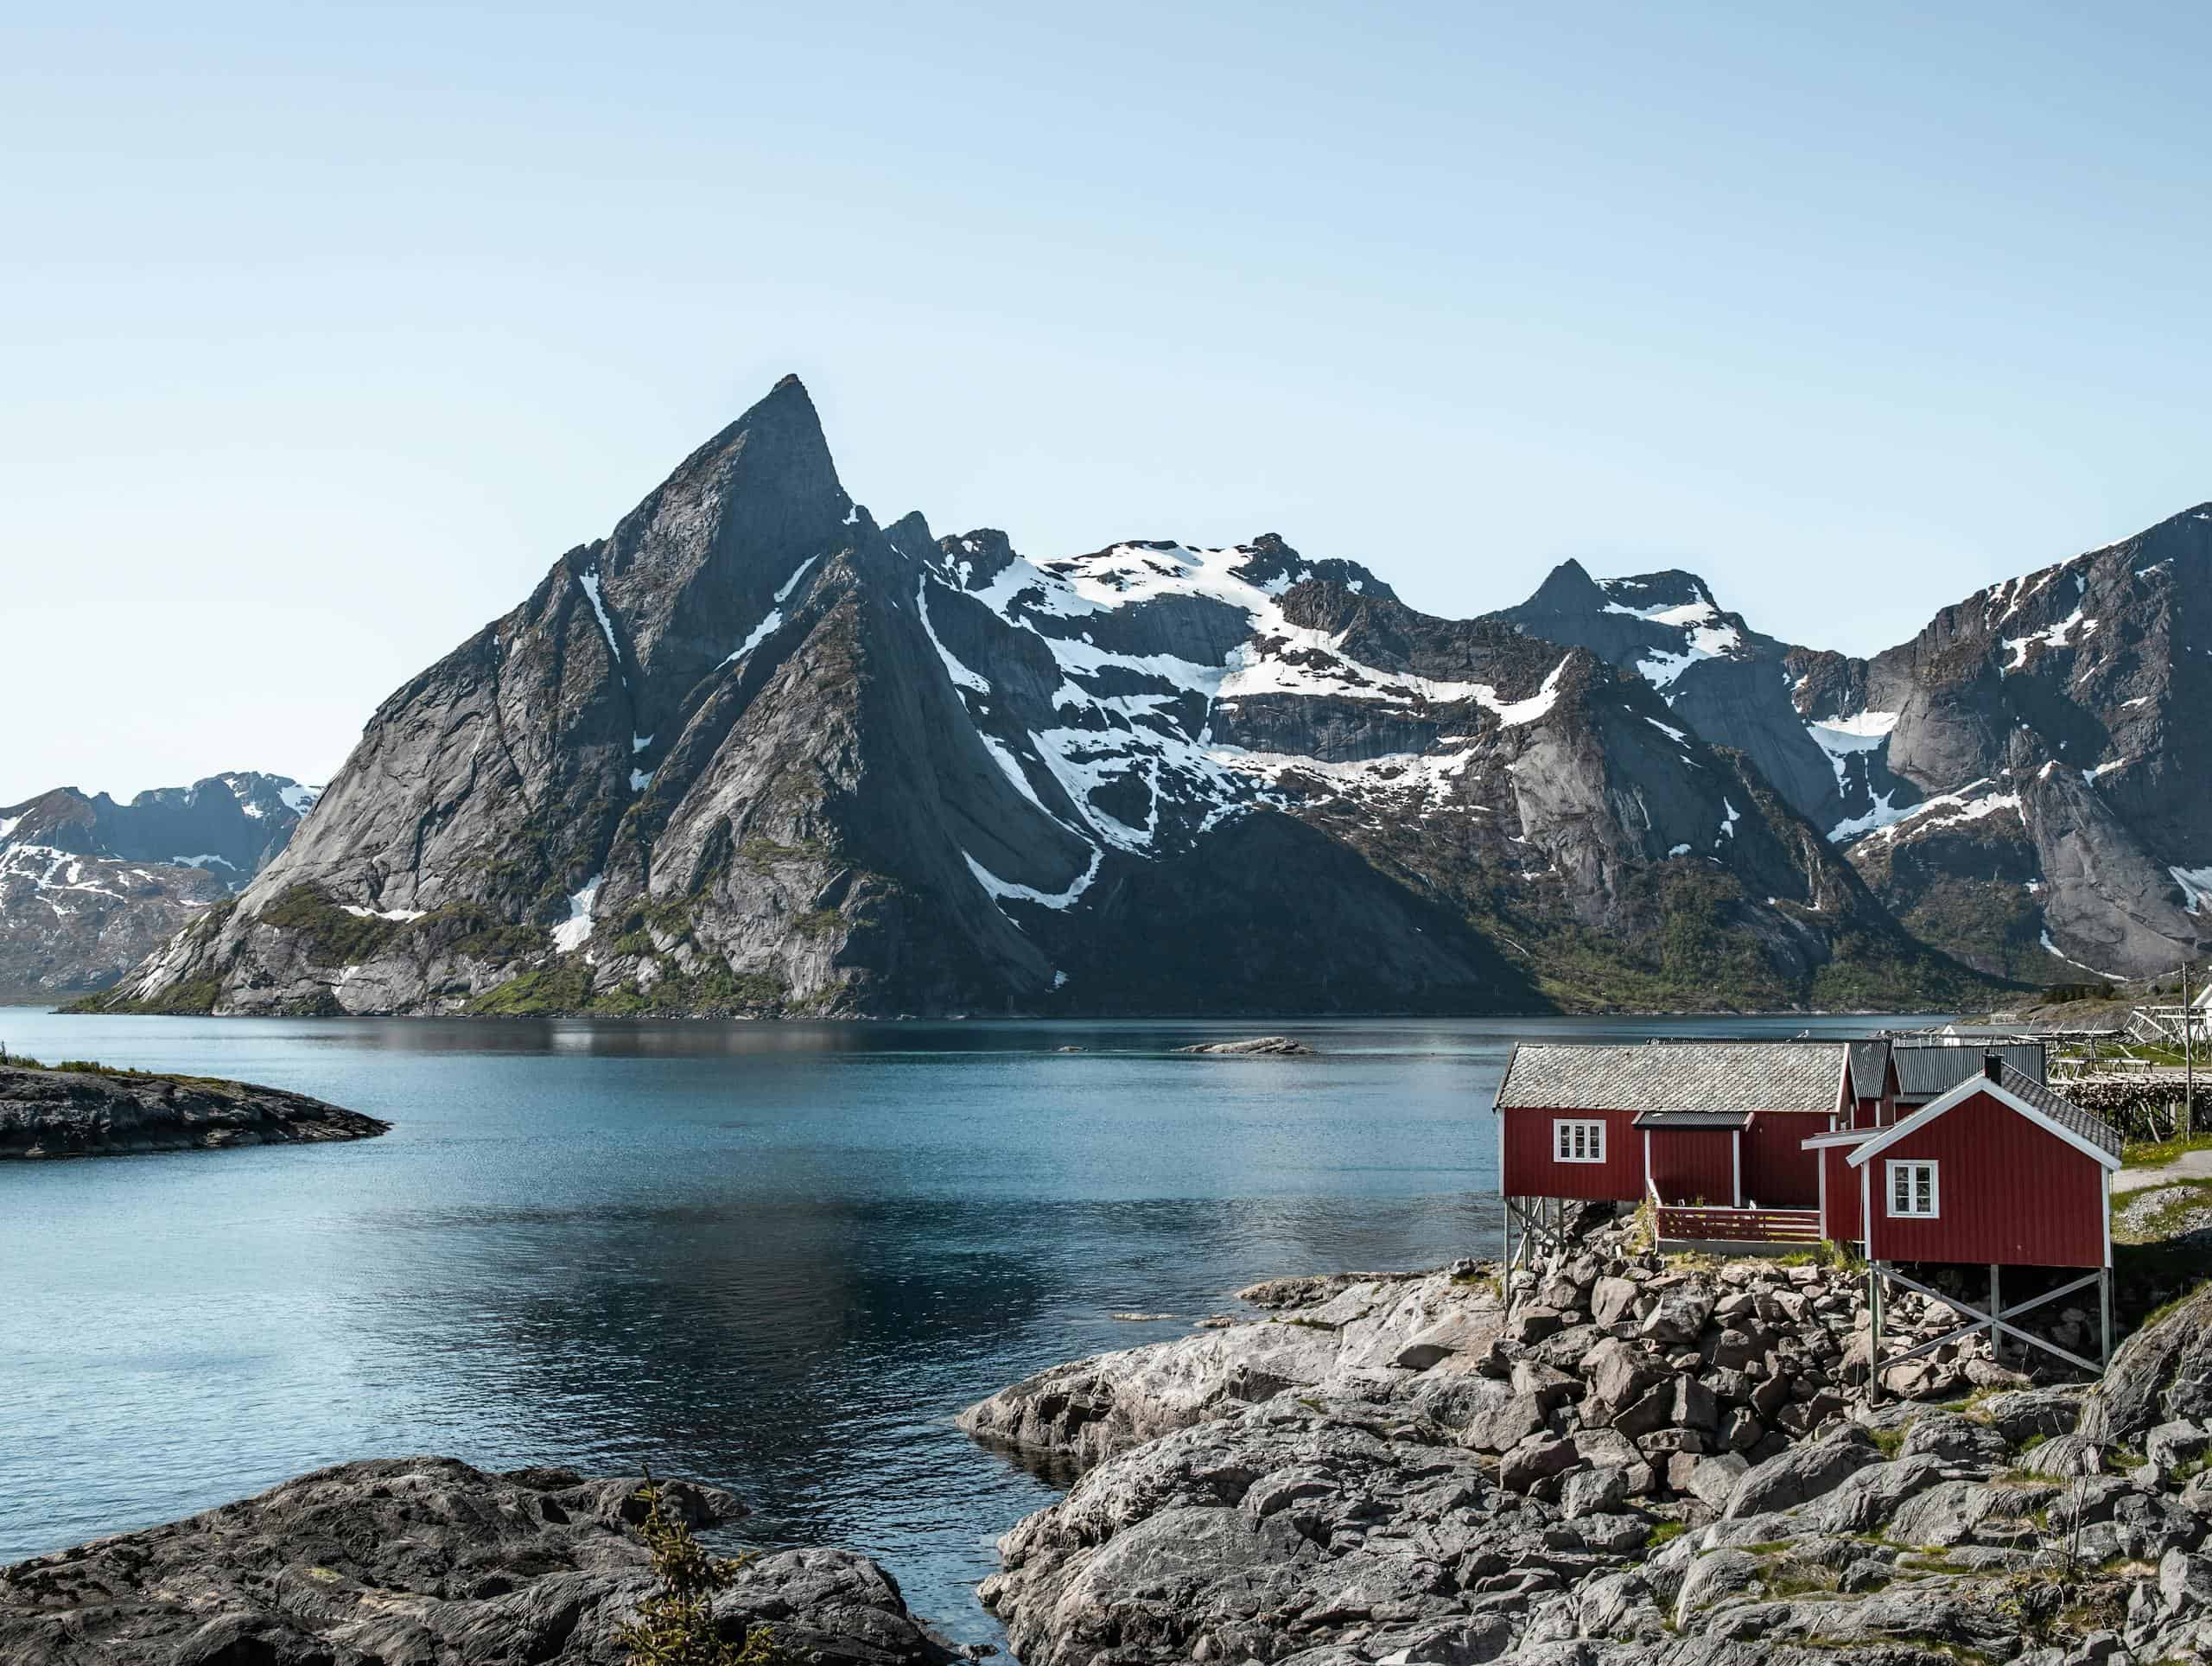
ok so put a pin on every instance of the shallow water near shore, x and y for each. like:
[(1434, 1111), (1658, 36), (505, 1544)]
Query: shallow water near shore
[(778, 1257)]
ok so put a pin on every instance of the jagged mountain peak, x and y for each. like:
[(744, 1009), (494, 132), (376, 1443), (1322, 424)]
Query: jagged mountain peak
[(1568, 587)]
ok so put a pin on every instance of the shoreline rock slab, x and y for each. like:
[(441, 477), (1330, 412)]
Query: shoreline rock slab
[(1696, 1478), (94, 1112), (424, 1560)]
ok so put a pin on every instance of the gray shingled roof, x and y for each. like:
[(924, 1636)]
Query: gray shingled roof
[(2064, 1112), (1929, 1072), (1705, 1076), (1719, 1119), (1869, 1062)]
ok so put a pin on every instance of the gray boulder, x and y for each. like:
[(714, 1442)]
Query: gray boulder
[(1951, 1439), (1803, 1472), (2162, 1373)]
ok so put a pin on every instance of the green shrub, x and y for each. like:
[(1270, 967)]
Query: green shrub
[(676, 1626)]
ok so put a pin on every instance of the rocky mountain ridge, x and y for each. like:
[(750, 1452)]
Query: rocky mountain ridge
[(2018, 784), (89, 887), (755, 753)]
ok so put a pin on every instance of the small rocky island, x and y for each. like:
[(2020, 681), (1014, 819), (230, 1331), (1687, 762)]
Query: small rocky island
[(1261, 1047), (427, 1560), (81, 1109)]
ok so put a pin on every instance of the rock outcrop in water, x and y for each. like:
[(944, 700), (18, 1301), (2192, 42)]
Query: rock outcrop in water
[(86, 1111), (1667, 1466), (421, 1561)]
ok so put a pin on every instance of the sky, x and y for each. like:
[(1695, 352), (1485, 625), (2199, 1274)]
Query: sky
[(327, 329)]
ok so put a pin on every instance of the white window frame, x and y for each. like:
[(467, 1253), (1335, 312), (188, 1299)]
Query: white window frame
[(1934, 1210), (1578, 1140)]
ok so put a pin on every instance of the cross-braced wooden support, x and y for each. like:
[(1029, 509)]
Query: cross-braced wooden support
[(1881, 1274), (1533, 1228)]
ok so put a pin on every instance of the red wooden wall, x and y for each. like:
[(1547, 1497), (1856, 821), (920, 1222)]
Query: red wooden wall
[(1531, 1171), (2010, 1193), (1840, 1224), (1778, 1171), (1689, 1164)]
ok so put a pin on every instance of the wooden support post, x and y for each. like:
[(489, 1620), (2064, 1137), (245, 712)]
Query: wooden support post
[(1874, 1352), (1996, 1340), (2104, 1315)]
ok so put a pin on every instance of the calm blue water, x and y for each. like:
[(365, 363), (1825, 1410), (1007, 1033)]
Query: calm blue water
[(775, 1256)]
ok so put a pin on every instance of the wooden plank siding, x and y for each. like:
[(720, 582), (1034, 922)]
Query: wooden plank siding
[(1531, 1170), (1778, 1171), (2009, 1193), (1692, 1165)]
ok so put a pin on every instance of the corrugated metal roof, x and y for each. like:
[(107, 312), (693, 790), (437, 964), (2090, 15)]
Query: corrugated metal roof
[(1694, 1076), (1719, 1119), (1869, 1062), (1929, 1072), (2068, 1114)]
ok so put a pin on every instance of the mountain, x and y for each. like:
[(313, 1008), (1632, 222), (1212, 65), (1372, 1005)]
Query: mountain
[(756, 753), (2017, 784), (90, 888)]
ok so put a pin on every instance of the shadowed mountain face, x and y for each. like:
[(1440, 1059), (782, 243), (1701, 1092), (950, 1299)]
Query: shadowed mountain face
[(756, 753), (89, 887), (2019, 784)]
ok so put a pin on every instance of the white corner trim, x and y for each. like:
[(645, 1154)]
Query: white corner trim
[(1958, 1095)]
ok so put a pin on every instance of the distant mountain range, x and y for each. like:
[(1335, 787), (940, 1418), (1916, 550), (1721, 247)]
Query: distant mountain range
[(89, 887), (757, 753)]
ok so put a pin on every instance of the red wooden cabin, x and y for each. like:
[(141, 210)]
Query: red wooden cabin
[(1713, 1133), (1998, 1171)]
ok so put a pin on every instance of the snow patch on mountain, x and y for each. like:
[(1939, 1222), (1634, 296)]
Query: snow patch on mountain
[(2056, 637), (591, 583), (397, 914), (1002, 890), (774, 621), (1954, 809), (572, 932), (2195, 884)]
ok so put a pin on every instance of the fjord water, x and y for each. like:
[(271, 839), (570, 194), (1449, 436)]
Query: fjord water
[(779, 1257)]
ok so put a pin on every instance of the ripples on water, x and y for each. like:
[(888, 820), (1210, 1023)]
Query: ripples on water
[(779, 1257)]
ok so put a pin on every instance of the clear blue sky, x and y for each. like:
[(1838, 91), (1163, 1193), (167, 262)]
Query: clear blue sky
[(326, 328)]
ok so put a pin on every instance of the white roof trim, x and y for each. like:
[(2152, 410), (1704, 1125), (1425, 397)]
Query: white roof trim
[(1843, 1136), (1965, 1091)]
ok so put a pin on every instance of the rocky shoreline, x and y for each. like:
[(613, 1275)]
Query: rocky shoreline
[(413, 1560), (1640, 1461), (87, 1111)]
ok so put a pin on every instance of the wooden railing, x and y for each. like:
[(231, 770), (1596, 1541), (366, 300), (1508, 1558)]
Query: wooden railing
[(1721, 1225)]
